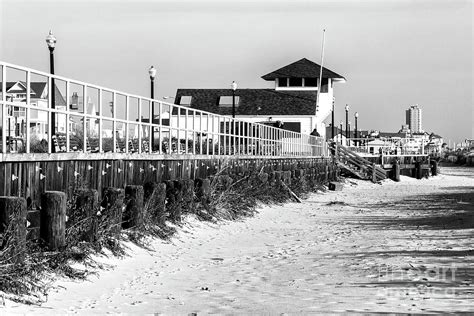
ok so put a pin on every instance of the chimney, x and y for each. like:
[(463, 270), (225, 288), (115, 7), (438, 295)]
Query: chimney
[(74, 101)]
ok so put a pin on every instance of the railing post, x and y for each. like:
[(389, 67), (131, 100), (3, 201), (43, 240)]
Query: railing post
[(140, 129), (27, 111), (50, 120), (194, 132), (186, 132), (127, 126), (151, 137), (114, 122), (200, 131), (208, 134), (4, 109), (84, 120), (68, 117), (99, 130), (160, 128)]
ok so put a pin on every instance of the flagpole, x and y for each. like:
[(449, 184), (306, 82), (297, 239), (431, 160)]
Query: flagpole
[(320, 72)]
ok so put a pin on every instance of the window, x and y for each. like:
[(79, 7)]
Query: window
[(296, 82), (282, 82), (324, 85), (185, 100), (226, 101), (292, 126), (310, 82)]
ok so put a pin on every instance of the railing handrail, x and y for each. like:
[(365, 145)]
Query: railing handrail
[(247, 130)]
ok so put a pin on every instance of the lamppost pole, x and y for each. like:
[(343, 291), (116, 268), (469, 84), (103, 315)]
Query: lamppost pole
[(234, 87), (347, 119), (152, 73), (349, 132), (51, 41), (356, 115), (340, 125), (332, 118)]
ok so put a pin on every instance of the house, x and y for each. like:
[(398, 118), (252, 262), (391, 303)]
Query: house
[(292, 101), (16, 92)]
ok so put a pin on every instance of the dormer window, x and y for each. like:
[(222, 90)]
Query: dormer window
[(185, 100), (226, 101), (310, 82), (296, 82), (283, 82)]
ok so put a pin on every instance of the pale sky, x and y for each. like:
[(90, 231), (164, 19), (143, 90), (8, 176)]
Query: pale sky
[(393, 53)]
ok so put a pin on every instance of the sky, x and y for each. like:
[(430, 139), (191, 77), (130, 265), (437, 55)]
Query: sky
[(393, 53)]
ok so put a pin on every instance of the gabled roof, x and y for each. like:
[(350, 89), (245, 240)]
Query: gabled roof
[(253, 101), (303, 68), (37, 89), (11, 84)]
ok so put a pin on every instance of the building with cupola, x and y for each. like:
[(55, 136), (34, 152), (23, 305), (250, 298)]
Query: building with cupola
[(291, 103)]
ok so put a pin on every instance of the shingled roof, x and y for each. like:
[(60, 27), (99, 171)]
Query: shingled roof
[(37, 88), (253, 101), (303, 68)]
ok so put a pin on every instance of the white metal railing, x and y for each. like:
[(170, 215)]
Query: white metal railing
[(90, 118), (385, 146)]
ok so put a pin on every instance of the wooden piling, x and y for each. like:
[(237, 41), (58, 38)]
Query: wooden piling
[(396, 171), (53, 219), (13, 228), (374, 173), (112, 208), (434, 167), (155, 196), (87, 202), (418, 169), (133, 215)]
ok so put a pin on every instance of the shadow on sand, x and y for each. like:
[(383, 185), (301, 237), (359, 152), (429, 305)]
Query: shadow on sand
[(442, 227)]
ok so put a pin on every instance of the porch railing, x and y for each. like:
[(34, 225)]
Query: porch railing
[(89, 118)]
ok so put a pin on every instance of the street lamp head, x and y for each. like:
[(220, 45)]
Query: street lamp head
[(234, 85), (51, 40), (152, 72), (356, 114), (340, 123), (347, 107)]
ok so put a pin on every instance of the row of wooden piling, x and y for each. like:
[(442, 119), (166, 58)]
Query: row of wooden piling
[(125, 208), (417, 172)]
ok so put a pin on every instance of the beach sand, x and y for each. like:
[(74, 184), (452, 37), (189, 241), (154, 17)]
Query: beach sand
[(394, 247)]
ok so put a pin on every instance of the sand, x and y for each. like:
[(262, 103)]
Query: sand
[(394, 247)]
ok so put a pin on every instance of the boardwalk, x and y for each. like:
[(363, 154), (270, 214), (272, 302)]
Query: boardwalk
[(404, 247)]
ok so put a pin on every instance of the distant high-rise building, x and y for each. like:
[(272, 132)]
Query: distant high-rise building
[(413, 119)]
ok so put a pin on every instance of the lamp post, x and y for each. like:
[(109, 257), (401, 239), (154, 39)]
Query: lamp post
[(51, 41), (347, 119), (152, 73), (332, 118), (356, 116), (234, 87), (340, 126), (349, 132)]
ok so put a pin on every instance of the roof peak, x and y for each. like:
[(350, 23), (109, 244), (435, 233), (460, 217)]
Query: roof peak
[(302, 68)]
